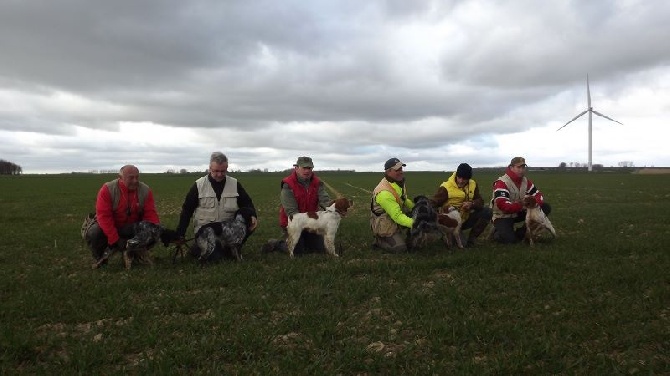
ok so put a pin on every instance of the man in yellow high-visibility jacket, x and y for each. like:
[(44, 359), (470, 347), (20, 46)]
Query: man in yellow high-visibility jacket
[(389, 208), (462, 192)]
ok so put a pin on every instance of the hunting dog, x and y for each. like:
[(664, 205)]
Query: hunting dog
[(225, 237), (323, 222), (137, 248), (450, 225), (536, 220), (425, 222)]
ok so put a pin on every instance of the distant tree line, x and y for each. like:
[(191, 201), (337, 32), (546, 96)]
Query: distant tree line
[(9, 168), (563, 165)]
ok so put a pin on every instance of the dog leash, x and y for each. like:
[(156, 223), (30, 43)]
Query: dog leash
[(179, 248)]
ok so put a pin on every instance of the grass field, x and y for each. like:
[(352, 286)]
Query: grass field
[(596, 300)]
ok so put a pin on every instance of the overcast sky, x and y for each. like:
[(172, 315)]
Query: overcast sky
[(90, 85)]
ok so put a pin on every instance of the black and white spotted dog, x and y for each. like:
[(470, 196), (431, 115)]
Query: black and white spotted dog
[(147, 235), (425, 222), (224, 238)]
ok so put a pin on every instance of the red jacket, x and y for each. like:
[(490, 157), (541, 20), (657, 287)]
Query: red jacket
[(110, 221), (501, 193), (306, 198)]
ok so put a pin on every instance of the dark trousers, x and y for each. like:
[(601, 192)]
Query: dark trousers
[(97, 240), (309, 242), (504, 228), (477, 222)]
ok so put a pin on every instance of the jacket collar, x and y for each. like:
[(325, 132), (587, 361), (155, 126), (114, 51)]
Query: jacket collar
[(515, 178)]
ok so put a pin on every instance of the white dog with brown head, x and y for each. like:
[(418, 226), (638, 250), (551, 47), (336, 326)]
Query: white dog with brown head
[(536, 220), (450, 224), (323, 222)]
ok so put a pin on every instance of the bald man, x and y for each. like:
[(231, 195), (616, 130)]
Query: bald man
[(121, 203)]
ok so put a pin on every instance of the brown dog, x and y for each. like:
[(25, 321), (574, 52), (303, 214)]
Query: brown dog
[(536, 220), (450, 225)]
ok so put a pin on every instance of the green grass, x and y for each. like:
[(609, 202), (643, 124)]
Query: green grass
[(596, 300)]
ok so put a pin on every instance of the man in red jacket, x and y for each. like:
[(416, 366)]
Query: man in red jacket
[(507, 202), (119, 205), (301, 192)]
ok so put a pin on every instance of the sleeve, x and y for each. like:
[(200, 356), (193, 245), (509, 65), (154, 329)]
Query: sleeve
[(150, 213), (288, 201), (324, 197), (533, 191), (501, 198), (409, 203), (390, 205), (244, 200), (477, 199), (191, 202), (105, 215)]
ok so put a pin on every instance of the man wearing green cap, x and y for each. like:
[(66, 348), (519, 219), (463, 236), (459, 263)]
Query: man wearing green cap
[(301, 192), (508, 210), (389, 208)]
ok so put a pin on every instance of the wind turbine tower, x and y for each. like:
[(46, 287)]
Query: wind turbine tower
[(591, 111)]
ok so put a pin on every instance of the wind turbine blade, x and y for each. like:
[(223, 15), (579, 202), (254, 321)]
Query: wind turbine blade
[(588, 91), (573, 119), (606, 117)]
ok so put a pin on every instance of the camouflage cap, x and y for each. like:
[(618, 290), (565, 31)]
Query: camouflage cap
[(304, 162)]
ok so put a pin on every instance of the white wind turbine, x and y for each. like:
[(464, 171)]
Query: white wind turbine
[(591, 111)]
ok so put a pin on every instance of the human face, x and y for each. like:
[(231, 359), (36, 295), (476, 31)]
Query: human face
[(396, 175), (461, 182), (519, 169), (304, 172), (130, 176), (218, 170)]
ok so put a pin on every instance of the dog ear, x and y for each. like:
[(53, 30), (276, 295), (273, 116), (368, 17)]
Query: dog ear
[(446, 221), (529, 202)]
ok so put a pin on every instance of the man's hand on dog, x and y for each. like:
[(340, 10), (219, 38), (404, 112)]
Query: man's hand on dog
[(254, 224)]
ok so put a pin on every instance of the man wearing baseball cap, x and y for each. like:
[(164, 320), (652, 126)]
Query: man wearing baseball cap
[(301, 192), (388, 218), (507, 202), (462, 192)]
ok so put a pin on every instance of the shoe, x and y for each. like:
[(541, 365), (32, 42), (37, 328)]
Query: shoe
[(99, 262), (89, 221), (103, 259)]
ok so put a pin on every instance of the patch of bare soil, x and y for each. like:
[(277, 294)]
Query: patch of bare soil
[(654, 170)]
